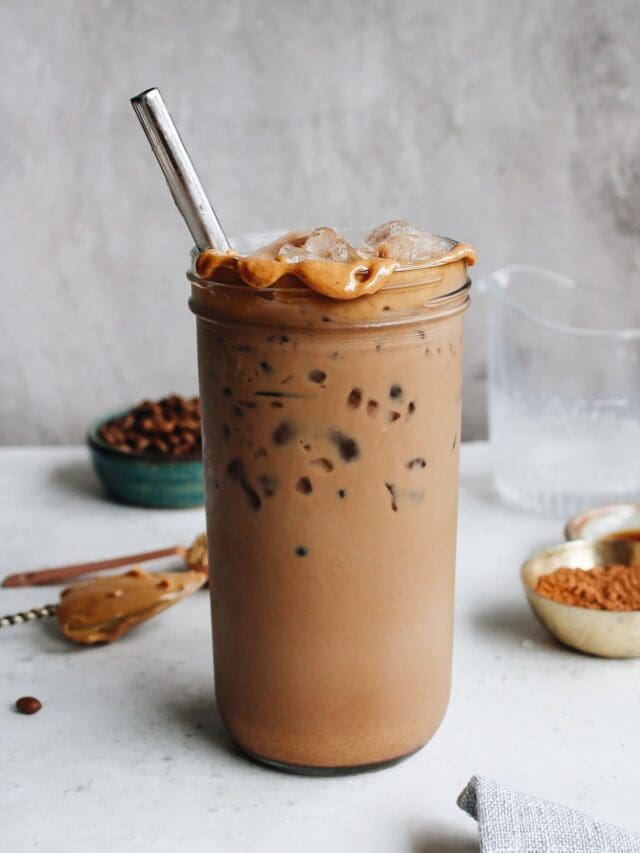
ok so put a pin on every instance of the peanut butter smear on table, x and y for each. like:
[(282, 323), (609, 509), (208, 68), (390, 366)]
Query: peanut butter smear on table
[(103, 609), (327, 263)]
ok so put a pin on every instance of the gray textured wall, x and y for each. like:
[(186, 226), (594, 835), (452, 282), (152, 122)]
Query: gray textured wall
[(512, 125)]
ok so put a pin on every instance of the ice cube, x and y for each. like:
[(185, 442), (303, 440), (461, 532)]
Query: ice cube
[(323, 244), (403, 242)]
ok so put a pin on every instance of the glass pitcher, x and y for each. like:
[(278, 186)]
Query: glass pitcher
[(564, 390)]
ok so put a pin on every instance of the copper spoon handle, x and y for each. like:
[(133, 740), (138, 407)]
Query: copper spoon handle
[(63, 573)]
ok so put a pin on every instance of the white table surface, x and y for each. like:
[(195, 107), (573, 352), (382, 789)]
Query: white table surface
[(127, 752)]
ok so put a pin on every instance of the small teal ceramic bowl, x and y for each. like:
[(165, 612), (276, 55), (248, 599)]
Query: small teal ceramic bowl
[(159, 481)]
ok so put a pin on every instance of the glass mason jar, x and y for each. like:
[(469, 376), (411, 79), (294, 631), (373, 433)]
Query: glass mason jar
[(331, 444), (564, 390)]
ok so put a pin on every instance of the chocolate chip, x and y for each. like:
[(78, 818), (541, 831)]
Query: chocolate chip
[(226, 391), (324, 463), (269, 484), (266, 367), (411, 408), (341, 493), (386, 308), (226, 432), (252, 495), (237, 411), (276, 404), (28, 705), (326, 319), (355, 398), (283, 433), (237, 474), (418, 462), (395, 391), (392, 491), (317, 376), (372, 407), (235, 470), (394, 416), (347, 447), (304, 486), (285, 394), (421, 334), (301, 551)]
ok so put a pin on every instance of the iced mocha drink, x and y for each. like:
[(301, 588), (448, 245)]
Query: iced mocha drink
[(330, 381)]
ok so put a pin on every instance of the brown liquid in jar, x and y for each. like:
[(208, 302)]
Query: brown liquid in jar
[(332, 431)]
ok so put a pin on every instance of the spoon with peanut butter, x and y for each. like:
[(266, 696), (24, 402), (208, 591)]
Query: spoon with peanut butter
[(103, 609)]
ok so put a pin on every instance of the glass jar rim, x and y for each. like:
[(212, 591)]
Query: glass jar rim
[(497, 283), (250, 241)]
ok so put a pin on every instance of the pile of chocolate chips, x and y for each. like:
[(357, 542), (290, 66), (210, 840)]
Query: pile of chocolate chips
[(168, 427)]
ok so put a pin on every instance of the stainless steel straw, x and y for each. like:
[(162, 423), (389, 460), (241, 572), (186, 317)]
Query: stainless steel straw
[(28, 615), (186, 189)]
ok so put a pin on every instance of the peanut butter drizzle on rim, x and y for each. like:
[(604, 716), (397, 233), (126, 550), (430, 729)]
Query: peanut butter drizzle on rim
[(335, 279)]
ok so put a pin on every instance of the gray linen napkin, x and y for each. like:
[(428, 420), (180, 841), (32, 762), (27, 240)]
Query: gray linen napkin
[(510, 822)]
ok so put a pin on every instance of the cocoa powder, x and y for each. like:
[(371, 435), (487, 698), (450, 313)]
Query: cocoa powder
[(614, 587)]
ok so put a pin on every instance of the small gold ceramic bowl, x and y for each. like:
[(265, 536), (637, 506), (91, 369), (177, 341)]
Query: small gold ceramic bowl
[(609, 634)]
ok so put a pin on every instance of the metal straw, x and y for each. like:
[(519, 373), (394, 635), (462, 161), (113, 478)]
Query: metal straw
[(186, 189), (28, 615)]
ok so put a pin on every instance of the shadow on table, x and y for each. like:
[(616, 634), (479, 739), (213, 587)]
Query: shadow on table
[(481, 486), (78, 477), (515, 623), (443, 841), (197, 717)]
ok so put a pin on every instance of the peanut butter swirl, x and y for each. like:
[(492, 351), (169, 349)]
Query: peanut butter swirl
[(103, 609), (326, 263)]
